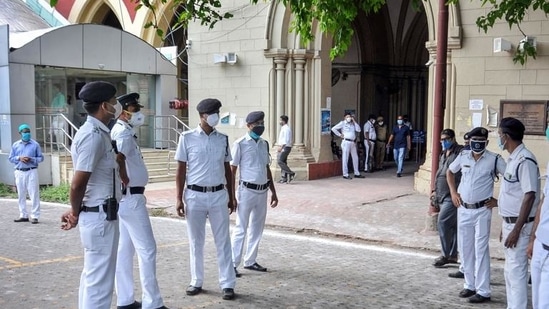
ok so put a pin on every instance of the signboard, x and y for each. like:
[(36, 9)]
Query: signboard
[(532, 113)]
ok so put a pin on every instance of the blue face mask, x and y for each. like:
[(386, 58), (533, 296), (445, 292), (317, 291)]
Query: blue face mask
[(547, 133), (446, 144), (501, 144), (25, 137), (400, 121)]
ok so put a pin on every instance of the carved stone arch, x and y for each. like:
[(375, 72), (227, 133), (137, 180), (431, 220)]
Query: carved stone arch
[(149, 34), (94, 12), (454, 23)]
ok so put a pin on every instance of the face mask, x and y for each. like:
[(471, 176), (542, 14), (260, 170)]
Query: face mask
[(257, 131), (117, 110), (281, 123), (213, 120), (373, 121), (446, 144), (348, 119), (478, 146), (400, 122), (380, 123), (501, 144), (25, 137), (138, 119), (547, 133)]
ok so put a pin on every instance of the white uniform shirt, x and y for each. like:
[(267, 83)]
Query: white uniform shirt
[(477, 177), (126, 142), (542, 232), (512, 191), (205, 156), (370, 129), (92, 152), (252, 157), (348, 129), (285, 136)]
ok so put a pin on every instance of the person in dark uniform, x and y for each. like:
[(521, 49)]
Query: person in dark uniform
[(94, 193), (401, 137), (204, 184), (251, 154)]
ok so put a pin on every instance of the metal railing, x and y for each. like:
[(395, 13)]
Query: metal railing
[(56, 133), (167, 130)]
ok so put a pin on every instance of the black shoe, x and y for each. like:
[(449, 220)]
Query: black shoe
[(163, 307), (477, 299), (34, 221), (282, 181), (193, 290), (441, 261), (359, 176), (228, 294), (467, 293), (256, 267), (399, 175), (237, 274), (134, 305), (291, 177), (21, 220), (347, 177), (458, 274)]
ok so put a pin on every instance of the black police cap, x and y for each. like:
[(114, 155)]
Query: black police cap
[(255, 117), (97, 92), (478, 132), (129, 99), (208, 106)]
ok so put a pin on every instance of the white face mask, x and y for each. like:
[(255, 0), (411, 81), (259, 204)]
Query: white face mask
[(213, 120), (117, 110), (348, 119), (138, 119), (380, 123)]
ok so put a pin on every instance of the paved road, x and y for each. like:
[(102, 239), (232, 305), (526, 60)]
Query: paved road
[(40, 267)]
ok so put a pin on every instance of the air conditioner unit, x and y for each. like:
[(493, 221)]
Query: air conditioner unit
[(501, 45), (218, 58), (232, 58)]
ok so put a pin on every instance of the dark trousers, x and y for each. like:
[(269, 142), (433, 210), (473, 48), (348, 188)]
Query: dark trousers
[(283, 162), (447, 228)]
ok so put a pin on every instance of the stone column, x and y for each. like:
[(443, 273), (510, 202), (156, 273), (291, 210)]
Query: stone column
[(299, 100), (280, 82)]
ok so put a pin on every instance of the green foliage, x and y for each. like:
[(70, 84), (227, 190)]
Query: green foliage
[(6, 191), (55, 194)]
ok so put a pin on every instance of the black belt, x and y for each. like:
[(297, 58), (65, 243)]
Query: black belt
[(206, 189), (512, 220), (378, 140), (349, 140), (89, 209), (134, 190), (25, 169), (475, 205), (253, 186), (546, 247)]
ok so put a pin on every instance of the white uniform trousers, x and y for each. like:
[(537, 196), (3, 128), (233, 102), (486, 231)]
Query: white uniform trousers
[(136, 235), (27, 182), (473, 240), (100, 241), (540, 276), (349, 147), (250, 217), (369, 153), (213, 206), (516, 267)]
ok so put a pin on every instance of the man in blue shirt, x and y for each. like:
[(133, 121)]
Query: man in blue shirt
[(25, 154), (401, 137)]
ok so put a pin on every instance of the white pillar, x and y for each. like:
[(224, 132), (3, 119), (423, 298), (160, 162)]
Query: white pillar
[(299, 100)]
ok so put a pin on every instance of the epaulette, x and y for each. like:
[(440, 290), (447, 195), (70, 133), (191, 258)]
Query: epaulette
[(96, 130)]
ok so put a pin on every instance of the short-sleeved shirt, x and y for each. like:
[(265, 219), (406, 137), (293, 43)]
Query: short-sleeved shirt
[(446, 158), (370, 129), (399, 136), (542, 232), (348, 129), (285, 136), (92, 152), (205, 156), (517, 182), (477, 176), (252, 158), (126, 142)]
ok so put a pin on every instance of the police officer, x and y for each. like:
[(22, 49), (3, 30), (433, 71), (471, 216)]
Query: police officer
[(251, 154), (538, 250), (381, 140), (479, 168), (204, 185), (346, 129), (93, 207), (518, 201), (369, 143), (26, 154), (135, 226)]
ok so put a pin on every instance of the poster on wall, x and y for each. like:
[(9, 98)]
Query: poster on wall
[(325, 121), (532, 113)]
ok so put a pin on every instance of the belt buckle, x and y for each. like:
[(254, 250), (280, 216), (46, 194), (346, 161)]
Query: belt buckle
[(208, 189)]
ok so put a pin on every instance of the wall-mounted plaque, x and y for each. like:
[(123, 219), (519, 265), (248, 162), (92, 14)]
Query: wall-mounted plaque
[(532, 113)]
